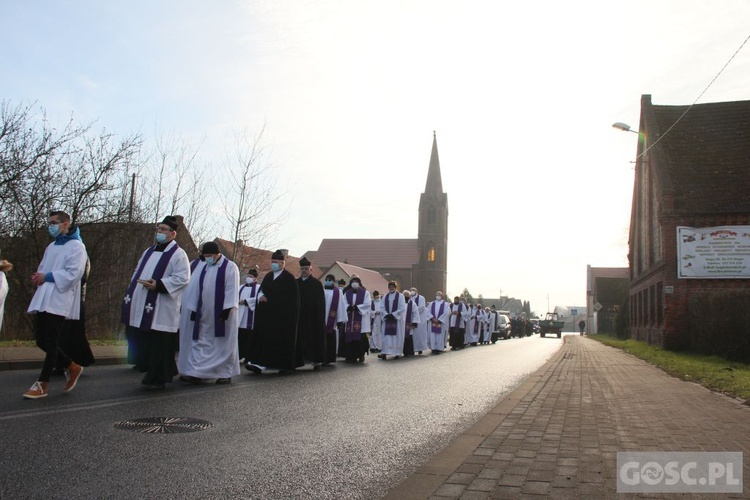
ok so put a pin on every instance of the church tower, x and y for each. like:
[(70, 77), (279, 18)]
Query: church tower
[(432, 238)]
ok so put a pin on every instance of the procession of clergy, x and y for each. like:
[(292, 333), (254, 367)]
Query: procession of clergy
[(193, 319)]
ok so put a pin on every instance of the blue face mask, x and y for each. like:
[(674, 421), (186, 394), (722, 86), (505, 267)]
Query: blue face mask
[(275, 267), (161, 237), (54, 230), (329, 283), (210, 261)]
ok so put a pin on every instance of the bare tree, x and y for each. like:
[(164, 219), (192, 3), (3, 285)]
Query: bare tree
[(250, 201), (93, 192)]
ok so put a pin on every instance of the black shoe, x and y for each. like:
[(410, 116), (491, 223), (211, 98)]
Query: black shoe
[(191, 380), (253, 368), (155, 387), (222, 381)]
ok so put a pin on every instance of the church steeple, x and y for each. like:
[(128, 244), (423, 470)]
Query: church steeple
[(431, 272), (434, 181)]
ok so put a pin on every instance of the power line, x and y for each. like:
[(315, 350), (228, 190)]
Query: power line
[(696, 99)]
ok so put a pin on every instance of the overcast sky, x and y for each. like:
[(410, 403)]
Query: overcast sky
[(521, 95)]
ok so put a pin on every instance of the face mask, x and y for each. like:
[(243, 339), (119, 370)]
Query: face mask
[(438, 297), (275, 267), (249, 280), (54, 230), (355, 285), (413, 293), (161, 237), (377, 299), (329, 283), (210, 261)]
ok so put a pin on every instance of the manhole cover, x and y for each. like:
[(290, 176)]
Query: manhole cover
[(163, 425)]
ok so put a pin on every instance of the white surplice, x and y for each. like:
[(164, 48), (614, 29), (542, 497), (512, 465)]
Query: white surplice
[(210, 356)]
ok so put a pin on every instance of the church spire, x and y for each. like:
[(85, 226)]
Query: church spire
[(434, 181)]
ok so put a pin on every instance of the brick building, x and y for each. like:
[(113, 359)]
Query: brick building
[(692, 169)]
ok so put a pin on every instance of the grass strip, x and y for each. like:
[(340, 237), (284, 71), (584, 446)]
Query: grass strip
[(713, 372)]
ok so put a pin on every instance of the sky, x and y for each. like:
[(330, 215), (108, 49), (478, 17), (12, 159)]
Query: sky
[(521, 97)]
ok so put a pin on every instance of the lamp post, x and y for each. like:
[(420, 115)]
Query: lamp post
[(624, 127)]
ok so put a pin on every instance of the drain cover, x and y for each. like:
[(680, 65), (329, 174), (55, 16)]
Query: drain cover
[(163, 425)]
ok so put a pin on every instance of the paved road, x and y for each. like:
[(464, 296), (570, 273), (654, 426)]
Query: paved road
[(353, 431)]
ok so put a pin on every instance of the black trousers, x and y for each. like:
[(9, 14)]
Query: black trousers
[(160, 348), (48, 330)]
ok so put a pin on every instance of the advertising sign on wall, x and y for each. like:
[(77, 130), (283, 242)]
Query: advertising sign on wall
[(713, 252)]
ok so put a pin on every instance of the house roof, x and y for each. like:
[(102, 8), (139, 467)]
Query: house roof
[(371, 280), (704, 160), (247, 257), (367, 253)]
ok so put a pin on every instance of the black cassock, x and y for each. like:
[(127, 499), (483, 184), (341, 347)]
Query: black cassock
[(311, 328), (274, 343)]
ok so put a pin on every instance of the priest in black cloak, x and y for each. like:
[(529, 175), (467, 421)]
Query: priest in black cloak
[(274, 345), (311, 332)]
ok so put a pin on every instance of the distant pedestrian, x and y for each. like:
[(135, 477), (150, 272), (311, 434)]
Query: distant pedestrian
[(57, 297), (582, 326), (376, 323), (411, 321), (420, 333)]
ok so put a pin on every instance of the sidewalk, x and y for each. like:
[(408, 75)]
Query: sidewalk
[(23, 358), (557, 436)]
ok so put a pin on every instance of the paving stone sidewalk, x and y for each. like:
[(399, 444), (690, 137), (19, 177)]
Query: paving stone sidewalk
[(557, 436)]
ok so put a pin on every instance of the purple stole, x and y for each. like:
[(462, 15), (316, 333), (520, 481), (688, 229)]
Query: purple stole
[(331, 320), (161, 267), (391, 325), (437, 329), (194, 264), (408, 318), (250, 312), (459, 318), (221, 278), (354, 321)]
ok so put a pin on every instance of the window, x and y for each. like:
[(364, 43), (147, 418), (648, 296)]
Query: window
[(431, 253)]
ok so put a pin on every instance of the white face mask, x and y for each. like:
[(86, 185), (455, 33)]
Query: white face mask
[(249, 280), (438, 297), (355, 285)]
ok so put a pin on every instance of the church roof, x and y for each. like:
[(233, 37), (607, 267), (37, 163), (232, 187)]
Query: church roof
[(367, 253)]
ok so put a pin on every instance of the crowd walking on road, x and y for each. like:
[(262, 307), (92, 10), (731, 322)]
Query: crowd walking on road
[(193, 320)]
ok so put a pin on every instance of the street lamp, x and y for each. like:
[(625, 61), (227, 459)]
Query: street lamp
[(624, 127)]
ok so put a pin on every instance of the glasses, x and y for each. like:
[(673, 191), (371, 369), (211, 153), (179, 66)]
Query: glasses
[(164, 229)]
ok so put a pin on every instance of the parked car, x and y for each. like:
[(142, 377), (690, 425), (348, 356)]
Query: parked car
[(503, 326)]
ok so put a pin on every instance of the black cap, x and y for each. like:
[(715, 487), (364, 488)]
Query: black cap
[(342, 281), (171, 221), (331, 277), (210, 247), (253, 272), (303, 262), (277, 255)]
